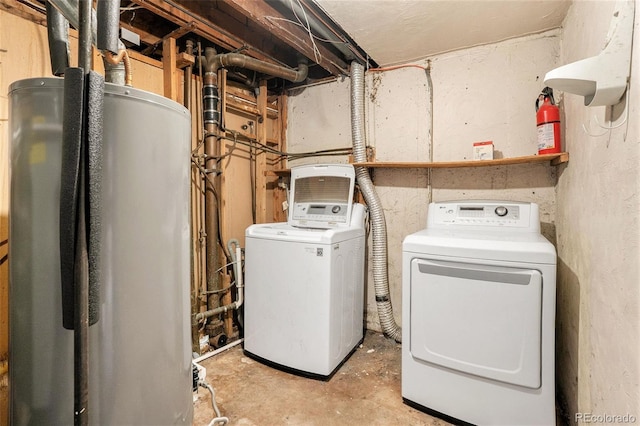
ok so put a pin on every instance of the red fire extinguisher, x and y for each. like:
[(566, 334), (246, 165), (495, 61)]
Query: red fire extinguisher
[(548, 122)]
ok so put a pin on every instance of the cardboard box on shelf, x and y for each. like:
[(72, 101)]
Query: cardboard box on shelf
[(483, 150)]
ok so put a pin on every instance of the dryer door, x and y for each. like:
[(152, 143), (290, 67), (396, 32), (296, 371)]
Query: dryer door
[(478, 319)]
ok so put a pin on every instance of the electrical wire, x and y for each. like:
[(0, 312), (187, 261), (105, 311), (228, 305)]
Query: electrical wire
[(276, 18), (219, 419), (395, 67), (290, 155), (316, 52), (205, 173), (222, 290)]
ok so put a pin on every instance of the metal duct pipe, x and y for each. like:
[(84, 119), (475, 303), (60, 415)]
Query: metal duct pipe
[(58, 35), (109, 25), (115, 72), (378, 225), (69, 8)]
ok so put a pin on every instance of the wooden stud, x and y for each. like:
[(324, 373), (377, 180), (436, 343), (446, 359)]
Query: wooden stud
[(184, 60), (169, 54)]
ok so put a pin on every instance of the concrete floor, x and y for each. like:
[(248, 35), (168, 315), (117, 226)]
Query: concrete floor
[(364, 391)]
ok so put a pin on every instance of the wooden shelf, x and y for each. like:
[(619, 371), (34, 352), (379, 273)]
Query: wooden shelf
[(554, 160)]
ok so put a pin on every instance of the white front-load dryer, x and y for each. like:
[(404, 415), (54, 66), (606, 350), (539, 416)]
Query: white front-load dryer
[(479, 315)]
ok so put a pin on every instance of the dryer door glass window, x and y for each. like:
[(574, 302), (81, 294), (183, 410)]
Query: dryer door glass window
[(478, 319)]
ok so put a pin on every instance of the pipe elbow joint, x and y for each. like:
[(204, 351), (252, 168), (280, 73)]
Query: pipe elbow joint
[(302, 71)]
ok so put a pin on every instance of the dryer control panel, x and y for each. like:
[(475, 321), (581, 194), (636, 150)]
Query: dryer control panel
[(503, 214)]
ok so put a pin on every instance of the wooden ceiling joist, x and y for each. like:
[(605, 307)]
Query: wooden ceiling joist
[(177, 33), (203, 28), (271, 20)]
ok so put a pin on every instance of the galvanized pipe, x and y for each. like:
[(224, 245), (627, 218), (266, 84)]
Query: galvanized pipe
[(243, 61), (212, 183), (211, 63)]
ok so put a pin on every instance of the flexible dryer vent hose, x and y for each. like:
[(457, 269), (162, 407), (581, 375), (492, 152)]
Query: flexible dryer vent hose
[(378, 225)]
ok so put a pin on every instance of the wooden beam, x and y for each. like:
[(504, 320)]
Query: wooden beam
[(170, 72), (553, 159), (17, 8), (271, 20), (181, 16), (234, 22), (184, 60), (142, 58), (175, 34)]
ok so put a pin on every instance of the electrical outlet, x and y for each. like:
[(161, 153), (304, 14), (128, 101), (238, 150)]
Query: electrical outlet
[(202, 372)]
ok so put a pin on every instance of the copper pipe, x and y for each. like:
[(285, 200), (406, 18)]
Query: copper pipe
[(122, 56)]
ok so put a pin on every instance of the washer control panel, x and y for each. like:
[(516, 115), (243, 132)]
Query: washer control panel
[(507, 214), (326, 212)]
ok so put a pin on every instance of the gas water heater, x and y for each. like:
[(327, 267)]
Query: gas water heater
[(139, 349)]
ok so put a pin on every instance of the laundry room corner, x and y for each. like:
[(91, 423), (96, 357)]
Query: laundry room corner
[(434, 110), (320, 212), (599, 234)]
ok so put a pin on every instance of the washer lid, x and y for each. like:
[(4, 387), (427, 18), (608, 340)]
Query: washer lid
[(525, 247), (284, 232), (321, 195)]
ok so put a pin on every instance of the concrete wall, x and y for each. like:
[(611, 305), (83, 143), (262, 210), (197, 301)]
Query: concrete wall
[(481, 93), (598, 345), (487, 93)]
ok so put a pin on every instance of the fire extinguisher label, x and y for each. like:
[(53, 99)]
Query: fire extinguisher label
[(545, 136)]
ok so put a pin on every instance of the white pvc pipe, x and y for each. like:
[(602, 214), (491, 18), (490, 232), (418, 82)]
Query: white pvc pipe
[(219, 350)]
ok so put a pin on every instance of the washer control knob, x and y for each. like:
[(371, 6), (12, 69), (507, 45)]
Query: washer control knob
[(501, 211), (335, 209)]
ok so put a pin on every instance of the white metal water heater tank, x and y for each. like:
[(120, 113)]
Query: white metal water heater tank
[(139, 350)]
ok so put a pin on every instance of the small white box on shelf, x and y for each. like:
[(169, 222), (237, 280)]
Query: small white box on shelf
[(483, 150)]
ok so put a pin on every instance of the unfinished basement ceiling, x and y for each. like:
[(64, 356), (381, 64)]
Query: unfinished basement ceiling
[(400, 31), (376, 32)]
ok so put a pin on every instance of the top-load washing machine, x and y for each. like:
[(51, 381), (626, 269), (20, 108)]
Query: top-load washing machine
[(304, 279), (479, 314)]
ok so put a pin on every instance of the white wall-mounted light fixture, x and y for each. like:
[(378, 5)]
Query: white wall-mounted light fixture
[(602, 79)]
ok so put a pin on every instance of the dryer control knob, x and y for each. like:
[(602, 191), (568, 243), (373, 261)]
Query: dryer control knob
[(335, 209), (501, 211)]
